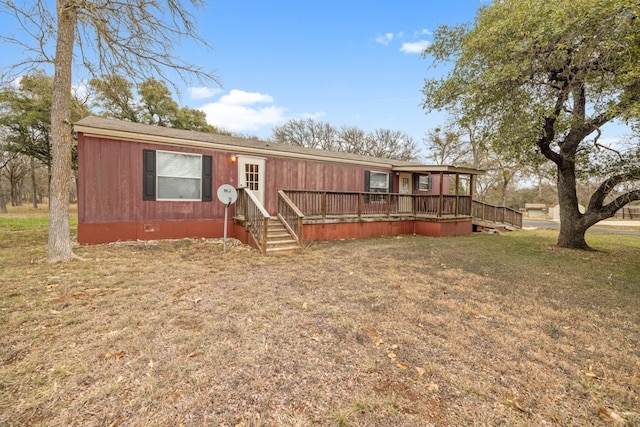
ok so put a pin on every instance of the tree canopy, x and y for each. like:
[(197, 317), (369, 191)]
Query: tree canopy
[(114, 97), (547, 76), (25, 115)]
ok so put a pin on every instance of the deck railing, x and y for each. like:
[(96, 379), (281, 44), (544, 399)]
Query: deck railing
[(325, 204), (255, 215), (496, 214), (290, 216)]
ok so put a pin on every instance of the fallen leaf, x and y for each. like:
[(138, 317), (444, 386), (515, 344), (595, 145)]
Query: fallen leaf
[(421, 371), (108, 356), (119, 354), (402, 365), (116, 422), (608, 414), (589, 373), (379, 342), (197, 300), (433, 387), (305, 305), (395, 346), (391, 355), (519, 407), (150, 363), (315, 338), (194, 353)]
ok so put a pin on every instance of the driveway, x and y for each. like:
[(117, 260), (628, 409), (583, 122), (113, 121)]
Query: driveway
[(620, 226)]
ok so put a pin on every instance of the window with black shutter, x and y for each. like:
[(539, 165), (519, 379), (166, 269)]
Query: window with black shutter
[(177, 176)]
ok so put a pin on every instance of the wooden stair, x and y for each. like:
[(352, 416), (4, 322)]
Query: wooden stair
[(279, 240)]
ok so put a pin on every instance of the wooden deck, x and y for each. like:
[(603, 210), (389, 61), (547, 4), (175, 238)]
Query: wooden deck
[(306, 214)]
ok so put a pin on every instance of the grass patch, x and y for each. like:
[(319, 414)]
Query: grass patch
[(475, 330)]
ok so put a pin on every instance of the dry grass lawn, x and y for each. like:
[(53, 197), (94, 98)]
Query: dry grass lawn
[(481, 330)]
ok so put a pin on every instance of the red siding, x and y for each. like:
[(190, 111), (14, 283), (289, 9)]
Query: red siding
[(292, 174), (110, 184), (111, 206)]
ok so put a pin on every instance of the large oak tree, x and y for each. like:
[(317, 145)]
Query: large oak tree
[(548, 75), (128, 37)]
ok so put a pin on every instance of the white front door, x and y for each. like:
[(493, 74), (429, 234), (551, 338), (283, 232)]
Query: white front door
[(405, 188), (251, 175)]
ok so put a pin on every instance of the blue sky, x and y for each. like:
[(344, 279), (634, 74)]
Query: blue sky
[(344, 62), (348, 62)]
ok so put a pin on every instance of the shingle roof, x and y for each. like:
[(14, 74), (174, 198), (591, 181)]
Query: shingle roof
[(90, 124), (104, 127)]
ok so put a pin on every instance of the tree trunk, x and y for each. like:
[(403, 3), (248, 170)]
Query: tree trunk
[(61, 141), (3, 202), (572, 223), (34, 185)]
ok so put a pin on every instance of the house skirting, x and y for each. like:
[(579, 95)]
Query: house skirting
[(335, 229), (326, 229), (106, 232)]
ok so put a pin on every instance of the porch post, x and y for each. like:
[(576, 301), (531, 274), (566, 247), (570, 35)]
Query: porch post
[(324, 204), (457, 192), (441, 198), (472, 185), (265, 233)]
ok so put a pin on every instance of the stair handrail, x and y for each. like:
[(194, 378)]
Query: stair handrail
[(496, 214), (257, 219), (291, 216)]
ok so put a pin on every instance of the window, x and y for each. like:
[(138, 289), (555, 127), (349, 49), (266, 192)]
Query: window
[(377, 182), (176, 176), (252, 175), (424, 183)]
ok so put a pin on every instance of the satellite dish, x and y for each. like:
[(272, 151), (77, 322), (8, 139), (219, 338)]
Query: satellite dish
[(227, 194)]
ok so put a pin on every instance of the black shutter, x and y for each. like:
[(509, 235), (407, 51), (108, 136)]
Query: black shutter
[(367, 185), (416, 181), (391, 182), (148, 174), (207, 178)]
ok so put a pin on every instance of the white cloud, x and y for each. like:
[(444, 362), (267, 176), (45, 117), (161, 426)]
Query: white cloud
[(237, 111), (415, 47), (202, 92), (384, 39), (80, 90), (240, 97)]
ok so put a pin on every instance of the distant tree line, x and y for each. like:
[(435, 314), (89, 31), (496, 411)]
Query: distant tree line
[(383, 143)]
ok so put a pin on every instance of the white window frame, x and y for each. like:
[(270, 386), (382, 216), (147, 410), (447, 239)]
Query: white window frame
[(191, 175), (378, 198), (424, 181), (385, 188)]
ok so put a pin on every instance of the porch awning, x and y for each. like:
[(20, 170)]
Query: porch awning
[(438, 169)]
